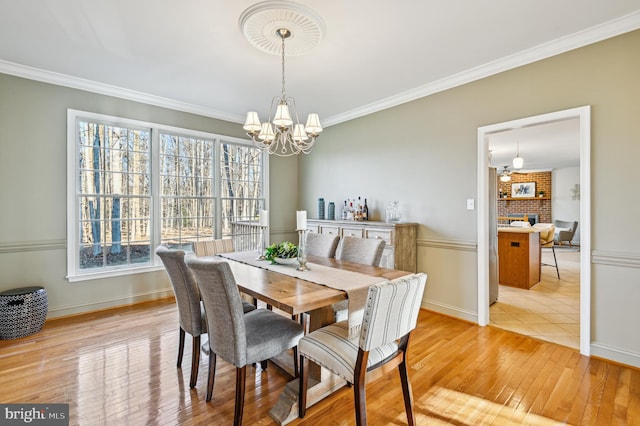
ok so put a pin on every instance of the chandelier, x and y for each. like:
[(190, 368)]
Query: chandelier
[(283, 134)]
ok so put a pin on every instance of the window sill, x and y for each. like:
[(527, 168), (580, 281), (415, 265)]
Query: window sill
[(87, 276)]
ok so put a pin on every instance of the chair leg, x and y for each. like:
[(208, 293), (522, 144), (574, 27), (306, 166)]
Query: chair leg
[(241, 373), (406, 391), (303, 380), (195, 361), (212, 375), (404, 380), (556, 261), (263, 365), (359, 389), (295, 362), (180, 347)]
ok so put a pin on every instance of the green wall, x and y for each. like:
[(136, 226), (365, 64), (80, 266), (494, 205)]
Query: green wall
[(33, 197), (424, 154)]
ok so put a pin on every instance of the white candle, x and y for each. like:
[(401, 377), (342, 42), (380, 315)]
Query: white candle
[(301, 220), (264, 218)]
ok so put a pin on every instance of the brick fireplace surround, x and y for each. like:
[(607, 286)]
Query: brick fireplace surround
[(534, 205)]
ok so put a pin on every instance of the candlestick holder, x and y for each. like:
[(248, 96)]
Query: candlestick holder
[(302, 250), (262, 248)]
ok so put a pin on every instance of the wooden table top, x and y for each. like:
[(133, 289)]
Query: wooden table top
[(294, 295)]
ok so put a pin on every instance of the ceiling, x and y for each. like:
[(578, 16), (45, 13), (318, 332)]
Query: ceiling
[(191, 55), (545, 146)]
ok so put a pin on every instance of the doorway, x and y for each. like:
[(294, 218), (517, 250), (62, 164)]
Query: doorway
[(485, 231)]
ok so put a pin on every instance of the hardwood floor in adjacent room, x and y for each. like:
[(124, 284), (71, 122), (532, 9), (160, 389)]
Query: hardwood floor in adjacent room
[(550, 310), (118, 367)]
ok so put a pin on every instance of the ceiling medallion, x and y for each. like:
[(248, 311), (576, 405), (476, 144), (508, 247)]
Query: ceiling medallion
[(261, 22)]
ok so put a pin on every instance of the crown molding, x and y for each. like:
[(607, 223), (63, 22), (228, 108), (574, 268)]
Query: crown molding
[(594, 34), (109, 90), (591, 35)]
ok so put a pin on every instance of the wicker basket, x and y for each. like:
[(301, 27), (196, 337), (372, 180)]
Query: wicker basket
[(23, 311)]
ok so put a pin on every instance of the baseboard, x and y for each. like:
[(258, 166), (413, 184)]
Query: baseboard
[(452, 311), (610, 353), (108, 304)]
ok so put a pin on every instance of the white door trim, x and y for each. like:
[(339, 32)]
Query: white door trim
[(584, 116)]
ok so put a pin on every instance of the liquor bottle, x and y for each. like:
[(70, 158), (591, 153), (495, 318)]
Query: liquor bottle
[(365, 211), (345, 211)]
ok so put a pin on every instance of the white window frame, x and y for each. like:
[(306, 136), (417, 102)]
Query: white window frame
[(74, 273)]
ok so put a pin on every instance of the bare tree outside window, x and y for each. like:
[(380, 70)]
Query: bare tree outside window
[(137, 185), (114, 195)]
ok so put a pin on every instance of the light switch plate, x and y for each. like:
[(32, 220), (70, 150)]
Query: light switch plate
[(471, 204)]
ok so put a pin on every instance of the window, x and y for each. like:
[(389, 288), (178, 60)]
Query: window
[(187, 189), (133, 185)]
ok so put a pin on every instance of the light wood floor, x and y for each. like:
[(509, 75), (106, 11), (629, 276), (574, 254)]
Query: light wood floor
[(117, 367), (550, 310)]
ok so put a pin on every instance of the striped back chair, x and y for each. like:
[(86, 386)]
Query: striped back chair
[(213, 247), (390, 315)]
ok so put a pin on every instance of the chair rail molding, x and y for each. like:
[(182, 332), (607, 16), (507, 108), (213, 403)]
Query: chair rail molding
[(615, 258), (35, 245), (459, 245)]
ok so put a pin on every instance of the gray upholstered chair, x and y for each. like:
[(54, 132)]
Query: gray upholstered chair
[(367, 251), (390, 315), (322, 245), (238, 338), (565, 230), (191, 315), (217, 246)]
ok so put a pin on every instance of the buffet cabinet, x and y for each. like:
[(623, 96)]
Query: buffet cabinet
[(400, 250)]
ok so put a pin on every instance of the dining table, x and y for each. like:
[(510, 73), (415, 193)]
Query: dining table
[(300, 294)]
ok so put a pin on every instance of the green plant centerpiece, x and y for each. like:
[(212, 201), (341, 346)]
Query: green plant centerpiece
[(284, 250)]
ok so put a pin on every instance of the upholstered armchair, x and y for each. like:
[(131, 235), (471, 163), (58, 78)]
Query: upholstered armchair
[(565, 230)]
